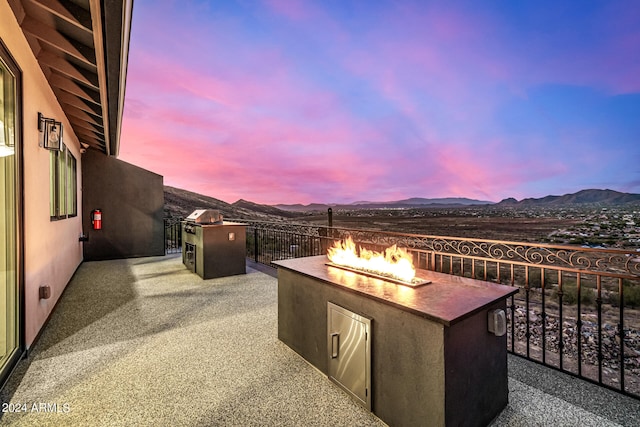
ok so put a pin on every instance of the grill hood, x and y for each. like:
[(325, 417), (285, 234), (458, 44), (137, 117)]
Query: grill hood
[(205, 216)]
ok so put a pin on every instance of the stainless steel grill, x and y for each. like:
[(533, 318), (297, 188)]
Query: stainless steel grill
[(205, 216), (212, 247)]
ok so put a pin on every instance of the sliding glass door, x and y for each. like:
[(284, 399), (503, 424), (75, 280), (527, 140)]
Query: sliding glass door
[(9, 222)]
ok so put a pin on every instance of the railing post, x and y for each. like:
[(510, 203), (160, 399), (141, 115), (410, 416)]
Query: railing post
[(527, 289), (579, 321), (621, 331), (560, 322), (255, 244), (599, 312), (543, 315)]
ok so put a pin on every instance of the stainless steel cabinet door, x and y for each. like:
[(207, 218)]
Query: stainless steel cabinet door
[(349, 348)]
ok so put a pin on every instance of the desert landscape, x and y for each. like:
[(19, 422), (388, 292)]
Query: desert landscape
[(591, 217)]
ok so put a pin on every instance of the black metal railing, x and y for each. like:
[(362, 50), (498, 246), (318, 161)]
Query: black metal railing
[(172, 235), (577, 309)]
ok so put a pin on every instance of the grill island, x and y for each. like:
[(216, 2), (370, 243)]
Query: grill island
[(212, 247), (422, 356)]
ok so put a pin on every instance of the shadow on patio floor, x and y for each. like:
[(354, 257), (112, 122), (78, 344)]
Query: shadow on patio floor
[(145, 342)]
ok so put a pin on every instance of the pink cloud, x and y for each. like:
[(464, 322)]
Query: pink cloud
[(233, 143), (290, 155)]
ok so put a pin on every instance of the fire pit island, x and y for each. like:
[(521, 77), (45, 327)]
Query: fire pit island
[(427, 355)]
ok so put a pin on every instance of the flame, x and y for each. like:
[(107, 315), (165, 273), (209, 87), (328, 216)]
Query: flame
[(394, 262)]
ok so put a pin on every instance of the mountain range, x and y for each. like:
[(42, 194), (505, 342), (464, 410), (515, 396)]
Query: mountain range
[(414, 202), (602, 197), (180, 203)]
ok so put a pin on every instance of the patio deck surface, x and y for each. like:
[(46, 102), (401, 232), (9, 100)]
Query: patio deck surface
[(145, 342)]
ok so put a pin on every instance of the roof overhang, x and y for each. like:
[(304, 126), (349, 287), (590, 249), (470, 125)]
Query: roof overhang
[(82, 47)]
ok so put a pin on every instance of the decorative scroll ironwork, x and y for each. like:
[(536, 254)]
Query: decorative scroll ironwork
[(292, 228), (613, 262)]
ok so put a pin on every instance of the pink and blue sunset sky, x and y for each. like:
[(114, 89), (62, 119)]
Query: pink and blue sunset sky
[(287, 101)]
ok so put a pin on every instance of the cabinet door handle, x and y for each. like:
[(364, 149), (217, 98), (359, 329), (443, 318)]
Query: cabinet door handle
[(335, 343)]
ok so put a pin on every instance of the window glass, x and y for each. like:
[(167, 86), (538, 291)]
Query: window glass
[(53, 160), (9, 296), (72, 185), (7, 112), (63, 184)]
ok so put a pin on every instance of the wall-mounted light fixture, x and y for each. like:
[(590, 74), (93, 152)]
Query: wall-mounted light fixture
[(50, 133)]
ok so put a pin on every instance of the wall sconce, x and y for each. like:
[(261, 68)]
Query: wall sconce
[(50, 133)]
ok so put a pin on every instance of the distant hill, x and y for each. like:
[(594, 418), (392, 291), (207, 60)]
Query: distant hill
[(591, 196), (414, 202), (265, 209), (303, 208), (180, 203), (420, 201)]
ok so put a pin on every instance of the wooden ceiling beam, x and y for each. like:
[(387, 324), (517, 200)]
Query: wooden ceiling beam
[(49, 35), (68, 11), (59, 64), (67, 98), (80, 123), (87, 134), (83, 115), (66, 84), (18, 10), (88, 137)]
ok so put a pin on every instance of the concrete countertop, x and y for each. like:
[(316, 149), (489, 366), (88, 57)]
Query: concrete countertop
[(447, 299)]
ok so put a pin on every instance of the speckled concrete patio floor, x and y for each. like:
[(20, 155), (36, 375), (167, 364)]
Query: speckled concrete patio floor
[(145, 342)]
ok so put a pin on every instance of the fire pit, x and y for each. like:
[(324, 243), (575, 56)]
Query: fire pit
[(432, 354), (394, 264), (414, 283)]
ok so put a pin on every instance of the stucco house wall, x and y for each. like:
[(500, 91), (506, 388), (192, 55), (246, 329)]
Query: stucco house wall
[(52, 250)]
